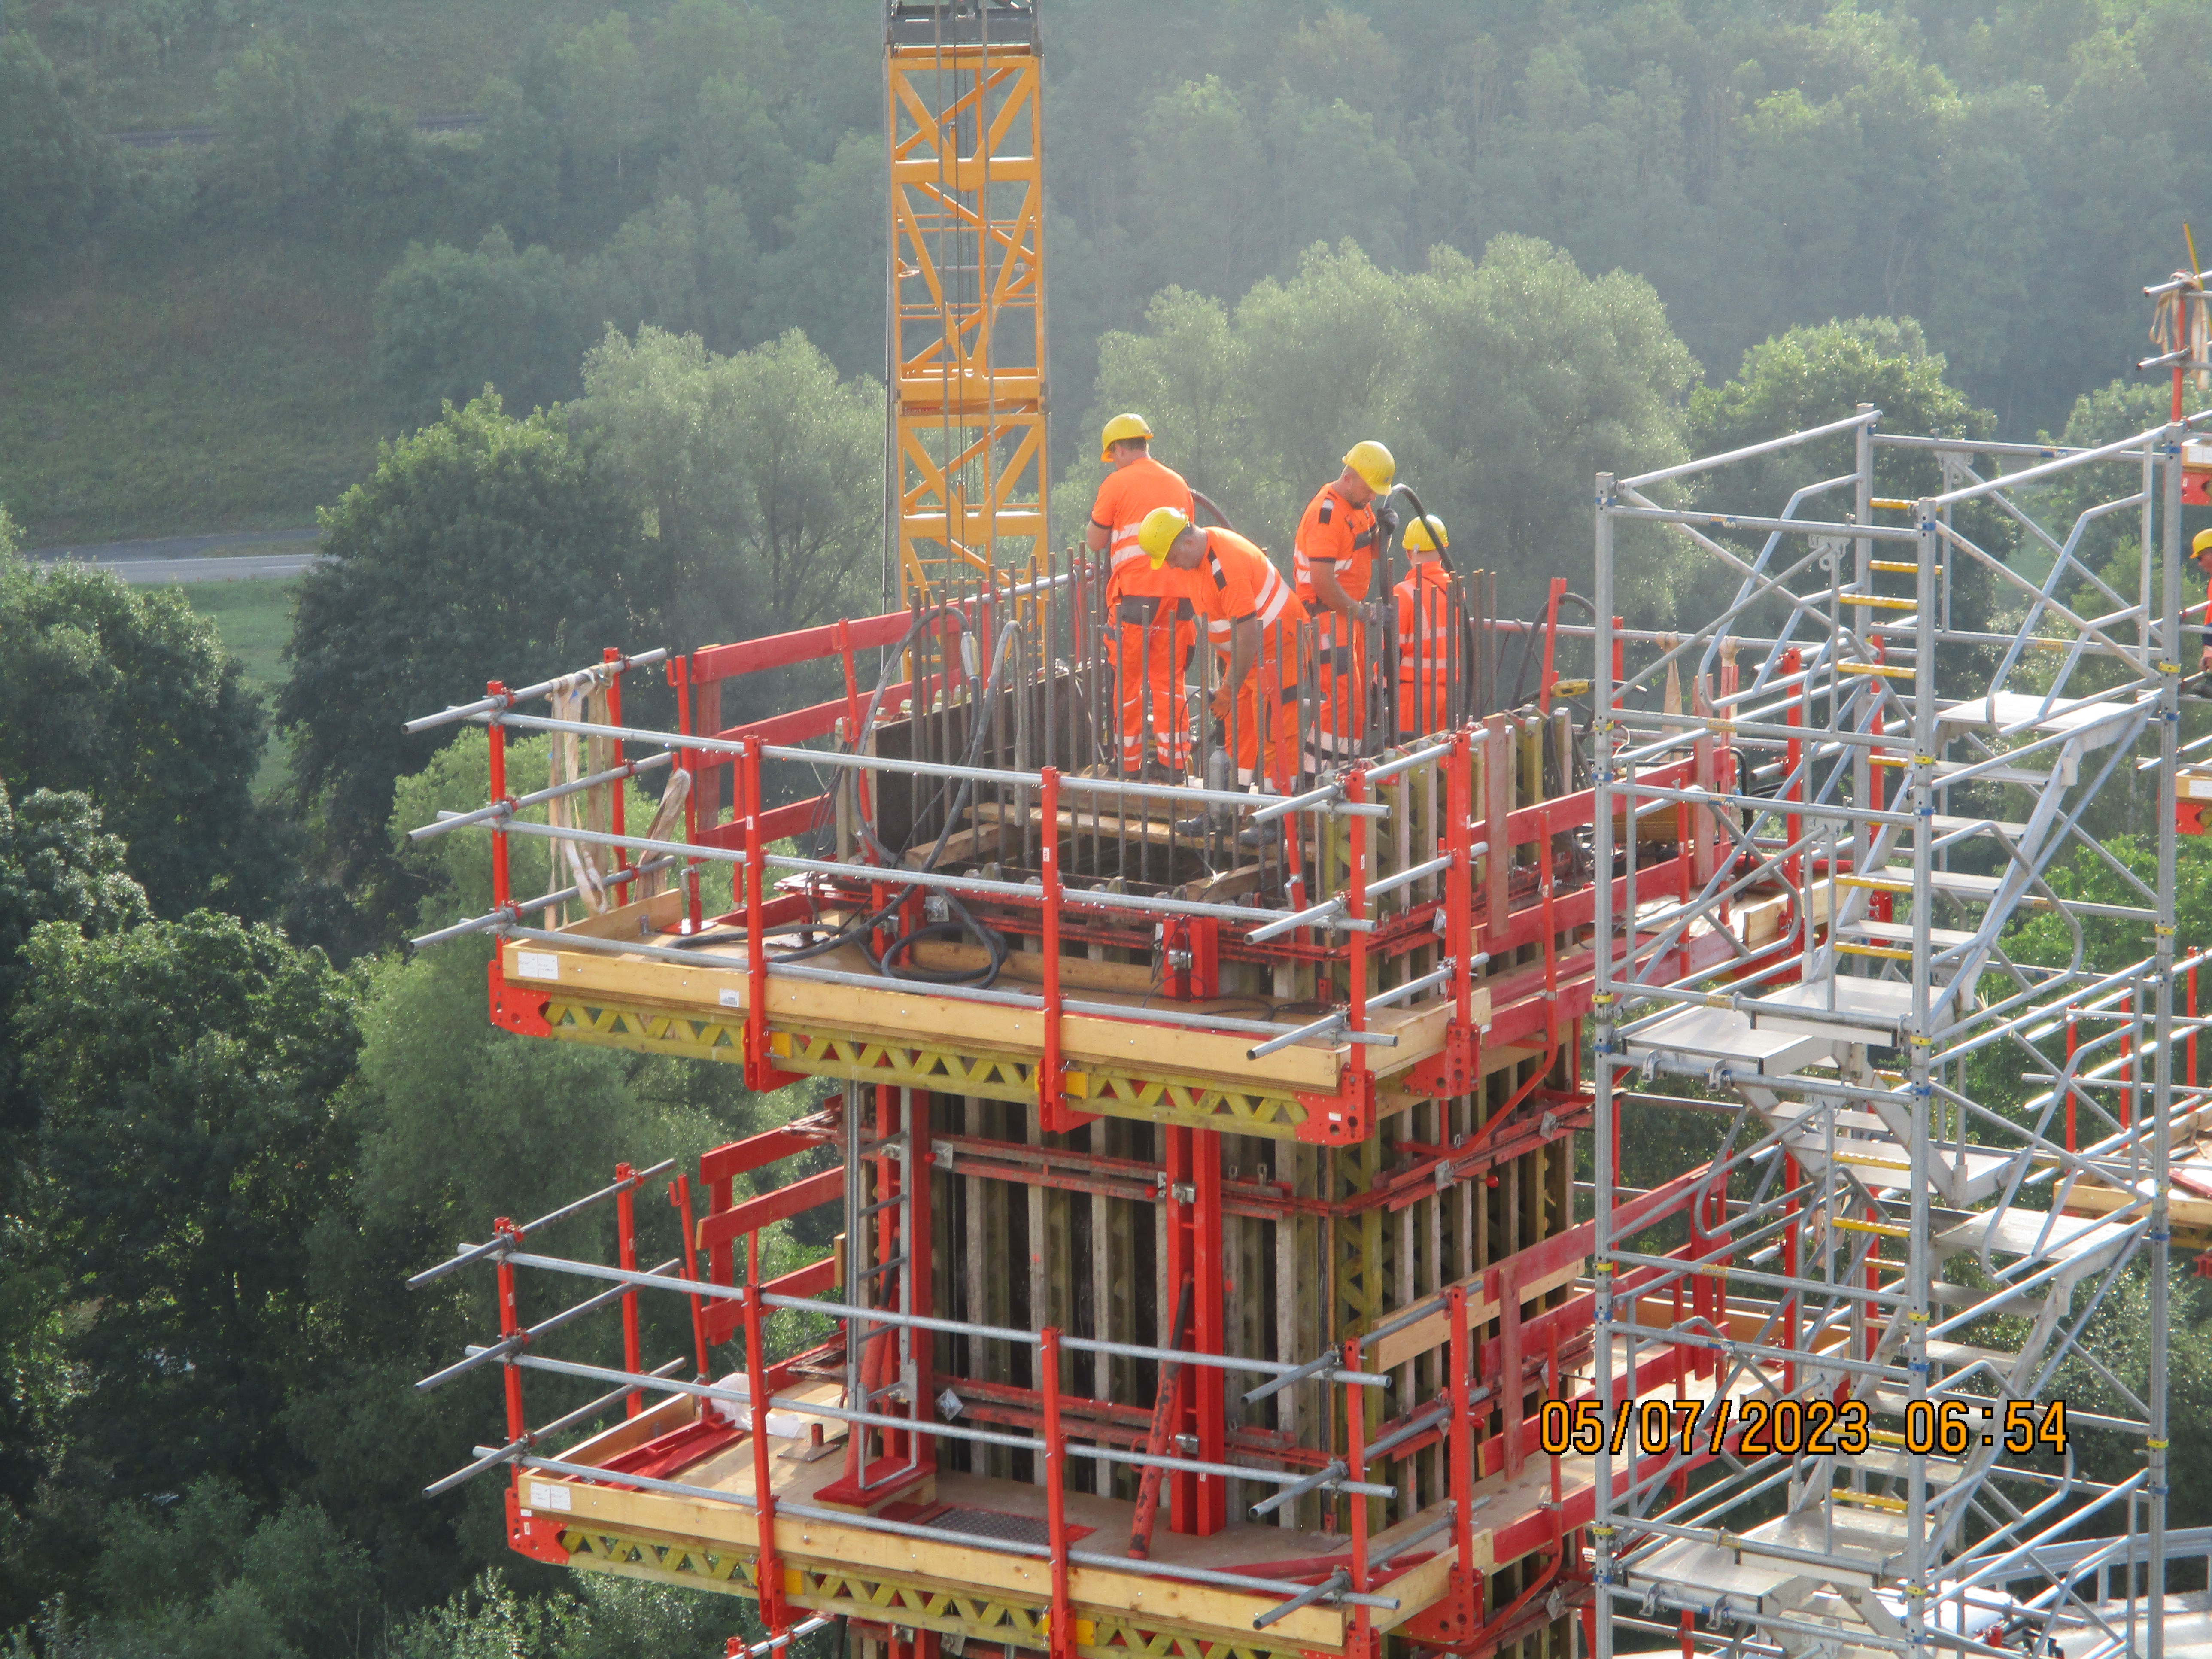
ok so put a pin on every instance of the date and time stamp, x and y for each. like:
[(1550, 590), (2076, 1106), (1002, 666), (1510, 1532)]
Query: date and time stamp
[(1761, 1427)]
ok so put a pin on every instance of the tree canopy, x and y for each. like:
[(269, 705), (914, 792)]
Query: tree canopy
[(125, 695), (482, 544)]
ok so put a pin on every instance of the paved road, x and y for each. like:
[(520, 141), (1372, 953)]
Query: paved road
[(161, 560)]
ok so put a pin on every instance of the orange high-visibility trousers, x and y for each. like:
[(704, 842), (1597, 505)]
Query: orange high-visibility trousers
[(1152, 639), (1266, 714), (1340, 689)]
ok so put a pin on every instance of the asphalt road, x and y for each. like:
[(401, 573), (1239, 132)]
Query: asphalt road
[(161, 560)]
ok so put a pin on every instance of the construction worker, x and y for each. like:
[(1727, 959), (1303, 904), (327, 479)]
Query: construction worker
[(1150, 629), (1252, 621), (1344, 526), (1424, 624)]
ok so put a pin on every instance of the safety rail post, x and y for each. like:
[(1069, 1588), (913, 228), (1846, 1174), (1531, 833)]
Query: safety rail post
[(1460, 1486), (496, 736), (1459, 910), (617, 816), (1355, 910), (2192, 1027), (512, 1336), (1052, 1096), (758, 1069), (626, 1248), (2074, 1043), (1361, 1644), (767, 1567), (679, 676), (1055, 1496), (679, 1196), (1793, 755)]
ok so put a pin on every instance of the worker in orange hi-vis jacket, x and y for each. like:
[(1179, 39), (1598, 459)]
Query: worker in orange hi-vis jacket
[(1344, 527), (1424, 631), (1149, 635), (1252, 621)]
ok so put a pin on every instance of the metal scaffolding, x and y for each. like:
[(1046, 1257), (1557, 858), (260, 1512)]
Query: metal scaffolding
[(1890, 1271)]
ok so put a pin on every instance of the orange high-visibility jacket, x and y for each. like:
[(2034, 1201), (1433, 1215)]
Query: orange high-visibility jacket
[(1126, 495), (1335, 533), (1424, 647)]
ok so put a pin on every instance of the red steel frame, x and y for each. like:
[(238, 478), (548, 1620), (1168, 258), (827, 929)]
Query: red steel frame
[(1542, 1003)]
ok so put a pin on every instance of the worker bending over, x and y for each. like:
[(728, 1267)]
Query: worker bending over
[(1150, 628), (1425, 628), (1254, 621), (1344, 526)]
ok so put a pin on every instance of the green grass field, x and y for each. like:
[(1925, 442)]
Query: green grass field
[(228, 390), (418, 56), (255, 620)]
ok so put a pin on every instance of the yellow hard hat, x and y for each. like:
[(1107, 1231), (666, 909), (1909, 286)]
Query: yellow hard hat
[(2202, 546), (1162, 525), (1120, 429), (1417, 539), (1371, 462)]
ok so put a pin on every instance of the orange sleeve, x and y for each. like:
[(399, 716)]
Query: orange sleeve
[(1101, 509)]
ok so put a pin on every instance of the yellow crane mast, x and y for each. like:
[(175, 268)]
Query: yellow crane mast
[(965, 121)]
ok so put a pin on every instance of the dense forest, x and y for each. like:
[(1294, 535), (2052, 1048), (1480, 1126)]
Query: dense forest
[(601, 364)]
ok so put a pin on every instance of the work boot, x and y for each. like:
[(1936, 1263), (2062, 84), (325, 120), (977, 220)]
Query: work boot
[(1261, 836)]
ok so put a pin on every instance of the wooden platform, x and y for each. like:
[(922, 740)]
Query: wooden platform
[(898, 1032)]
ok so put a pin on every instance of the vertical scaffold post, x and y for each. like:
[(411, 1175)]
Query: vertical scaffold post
[(1793, 756), (626, 1247), (1603, 1147), (680, 1196), (1055, 1495), (1461, 1060), (511, 1331), (1355, 909), (497, 736), (1460, 1488), (679, 676), (1052, 1093), (757, 1068), (768, 1568), (1363, 1644), (617, 818)]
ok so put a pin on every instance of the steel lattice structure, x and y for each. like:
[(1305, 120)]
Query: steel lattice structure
[(1889, 1237)]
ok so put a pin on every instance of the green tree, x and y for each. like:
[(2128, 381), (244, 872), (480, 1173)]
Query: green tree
[(52, 166), (56, 867), (482, 547), (826, 278), (124, 693), (1812, 376), (1257, 406), (271, 117), (601, 94), (448, 324), (182, 1074), (762, 471)]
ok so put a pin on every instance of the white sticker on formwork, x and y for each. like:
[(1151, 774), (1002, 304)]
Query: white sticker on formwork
[(542, 1496), (731, 1000), (537, 964)]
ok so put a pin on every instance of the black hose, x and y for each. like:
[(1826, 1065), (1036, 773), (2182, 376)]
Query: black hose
[(860, 929)]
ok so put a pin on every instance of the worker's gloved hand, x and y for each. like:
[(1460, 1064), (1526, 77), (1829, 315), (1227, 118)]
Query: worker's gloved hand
[(1386, 518)]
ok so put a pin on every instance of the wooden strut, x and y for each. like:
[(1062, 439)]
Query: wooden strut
[(1156, 1443)]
